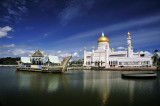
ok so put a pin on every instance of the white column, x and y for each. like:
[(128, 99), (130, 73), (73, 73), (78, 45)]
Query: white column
[(107, 57), (93, 64), (31, 60), (99, 59), (84, 64)]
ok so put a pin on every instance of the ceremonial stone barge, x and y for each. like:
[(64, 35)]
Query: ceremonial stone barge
[(37, 63)]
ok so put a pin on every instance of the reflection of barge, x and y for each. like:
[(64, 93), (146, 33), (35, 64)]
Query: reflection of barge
[(36, 63)]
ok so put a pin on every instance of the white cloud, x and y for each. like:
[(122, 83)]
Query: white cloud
[(7, 46), (147, 54), (4, 31), (120, 48), (59, 51), (75, 54), (16, 52), (22, 52), (6, 28), (115, 27), (15, 10), (62, 54), (74, 9)]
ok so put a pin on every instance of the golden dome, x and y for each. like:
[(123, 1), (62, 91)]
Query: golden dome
[(103, 39), (128, 34)]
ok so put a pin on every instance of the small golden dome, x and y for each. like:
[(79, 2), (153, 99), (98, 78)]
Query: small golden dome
[(103, 39), (128, 34)]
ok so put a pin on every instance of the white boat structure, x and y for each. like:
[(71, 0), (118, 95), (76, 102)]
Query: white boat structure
[(139, 75), (36, 63)]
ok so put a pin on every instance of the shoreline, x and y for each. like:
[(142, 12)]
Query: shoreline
[(8, 65), (106, 69), (116, 68)]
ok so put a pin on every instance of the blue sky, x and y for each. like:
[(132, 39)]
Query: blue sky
[(64, 27)]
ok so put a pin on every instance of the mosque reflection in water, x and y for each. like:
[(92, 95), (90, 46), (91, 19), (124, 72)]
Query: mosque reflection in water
[(100, 87)]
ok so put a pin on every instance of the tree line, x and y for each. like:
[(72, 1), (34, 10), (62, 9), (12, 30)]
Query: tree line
[(156, 58), (9, 60)]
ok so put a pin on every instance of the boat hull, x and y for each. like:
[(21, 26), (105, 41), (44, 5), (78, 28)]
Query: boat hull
[(29, 69), (47, 69), (139, 75)]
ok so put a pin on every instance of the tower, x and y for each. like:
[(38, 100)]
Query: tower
[(92, 61), (84, 64), (129, 49)]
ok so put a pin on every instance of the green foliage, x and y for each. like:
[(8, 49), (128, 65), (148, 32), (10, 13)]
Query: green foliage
[(9, 60), (76, 63), (156, 58)]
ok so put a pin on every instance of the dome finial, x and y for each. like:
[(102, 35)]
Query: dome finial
[(37, 48), (139, 51), (128, 34), (102, 33)]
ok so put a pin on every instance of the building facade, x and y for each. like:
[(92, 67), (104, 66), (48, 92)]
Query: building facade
[(103, 56)]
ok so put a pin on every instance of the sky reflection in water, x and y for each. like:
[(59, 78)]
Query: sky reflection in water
[(96, 88)]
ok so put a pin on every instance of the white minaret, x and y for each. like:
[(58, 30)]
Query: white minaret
[(92, 62), (129, 49), (107, 57), (84, 64)]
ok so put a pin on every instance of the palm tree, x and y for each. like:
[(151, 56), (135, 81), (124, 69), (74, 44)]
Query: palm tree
[(156, 51), (155, 57)]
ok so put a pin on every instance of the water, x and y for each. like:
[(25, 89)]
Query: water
[(76, 88)]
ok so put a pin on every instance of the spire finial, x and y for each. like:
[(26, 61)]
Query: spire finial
[(139, 51), (112, 49), (37, 48), (102, 33), (128, 34)]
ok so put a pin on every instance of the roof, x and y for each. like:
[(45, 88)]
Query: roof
[(37, 54), (53, 59), (25, 60)]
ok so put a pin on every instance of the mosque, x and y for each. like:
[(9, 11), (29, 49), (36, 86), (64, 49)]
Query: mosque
[(105, 57)]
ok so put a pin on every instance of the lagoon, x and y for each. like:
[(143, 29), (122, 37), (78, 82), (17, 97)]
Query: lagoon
[(76, 87)]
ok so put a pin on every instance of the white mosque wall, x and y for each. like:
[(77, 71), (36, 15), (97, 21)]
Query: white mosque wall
[(102, 45), (103, 56)]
